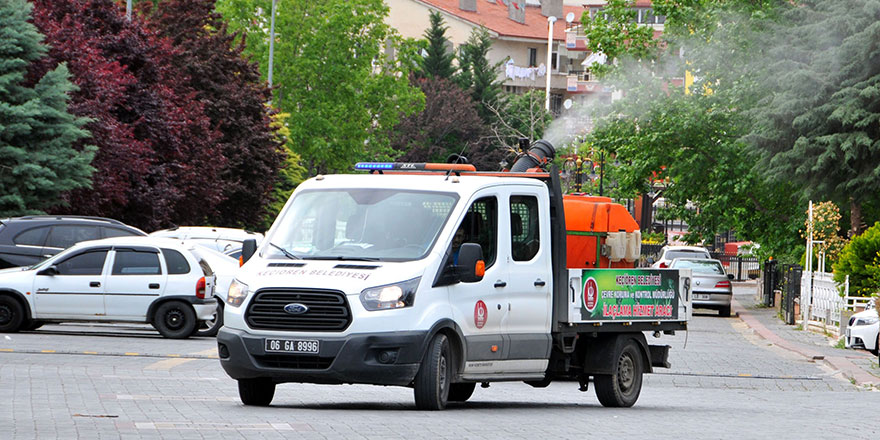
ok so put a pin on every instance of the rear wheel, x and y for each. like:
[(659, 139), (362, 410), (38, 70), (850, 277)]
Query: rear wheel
[(461, 392), (256, 392), (211, 326), (432, 381), (175, 320), (11, 315), (724, 312), (621, 388)]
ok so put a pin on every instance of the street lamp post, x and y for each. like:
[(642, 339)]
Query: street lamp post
[(550, 20), (128, 10)]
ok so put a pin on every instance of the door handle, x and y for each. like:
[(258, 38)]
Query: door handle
[(95, 284), (500, 283), (154, 285), (540, 283)]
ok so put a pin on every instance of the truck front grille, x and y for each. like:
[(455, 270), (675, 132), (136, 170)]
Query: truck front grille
[(328, 310), (295, 362)]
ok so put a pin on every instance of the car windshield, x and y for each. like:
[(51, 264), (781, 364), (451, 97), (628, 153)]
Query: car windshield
[(700, 266), (360, 224), (686, 254)]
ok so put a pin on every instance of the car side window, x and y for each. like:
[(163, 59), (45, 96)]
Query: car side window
[(525, 231), (175, 262), (65, 236), (129, 262), (116, 232), (32, 237), (87, 263)]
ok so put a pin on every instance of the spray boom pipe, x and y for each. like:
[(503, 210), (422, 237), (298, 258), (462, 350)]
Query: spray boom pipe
[(538, 155)]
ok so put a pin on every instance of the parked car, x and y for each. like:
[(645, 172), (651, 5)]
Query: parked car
[(25, 241), (863, 329), (669, 253), (710, 286), (219, 239), (124, 279), (223, 267)]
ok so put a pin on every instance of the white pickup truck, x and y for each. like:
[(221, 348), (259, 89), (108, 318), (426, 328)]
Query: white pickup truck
[(438, 277)]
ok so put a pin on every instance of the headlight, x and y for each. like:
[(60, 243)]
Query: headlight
[(391, 296), (867, 321), (238, 291)]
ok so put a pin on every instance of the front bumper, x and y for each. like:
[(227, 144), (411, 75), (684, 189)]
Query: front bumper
[(350, 359), (862, 336)]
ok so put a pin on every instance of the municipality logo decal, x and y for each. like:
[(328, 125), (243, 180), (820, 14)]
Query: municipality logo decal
[(296, 308)]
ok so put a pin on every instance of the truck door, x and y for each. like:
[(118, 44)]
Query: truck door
[(527, 324), (480, 307)]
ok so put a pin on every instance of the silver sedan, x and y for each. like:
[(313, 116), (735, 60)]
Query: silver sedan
[(711, 286)]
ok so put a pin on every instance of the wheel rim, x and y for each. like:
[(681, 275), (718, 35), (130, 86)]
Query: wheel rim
[(175, 319), (626, 372), (5, 314), (210, 323), (443, 379)]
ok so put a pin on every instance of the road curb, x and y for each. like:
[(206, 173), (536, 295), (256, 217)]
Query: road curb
[(840, 363)]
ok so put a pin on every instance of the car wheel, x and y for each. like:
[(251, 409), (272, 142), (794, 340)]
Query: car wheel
[(876, 350), (175, 320), (724, 312), (211, 326), (11, 315), (33, 325), (256, 392), (622, 387), (432, 381), (461, 392)]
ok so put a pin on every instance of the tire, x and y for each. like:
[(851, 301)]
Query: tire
[(11, 315), (724, 312), (210, 328), (621, 388), (431, 385), (876, 350), (33, 325), (175, 320), (256, 392), (461, 392)]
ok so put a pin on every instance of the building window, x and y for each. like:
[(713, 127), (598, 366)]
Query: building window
[(533, 57), (553, 61)]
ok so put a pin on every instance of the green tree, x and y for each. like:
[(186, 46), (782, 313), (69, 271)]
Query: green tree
[(343, 93), (615, 32), (438, 61), (477, 75), (37, 159), (860, 260)]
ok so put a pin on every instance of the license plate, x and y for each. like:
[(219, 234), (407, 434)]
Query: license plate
[(308, 346), (701, 296)]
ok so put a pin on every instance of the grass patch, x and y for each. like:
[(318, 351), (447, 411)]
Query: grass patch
[(841, 343)]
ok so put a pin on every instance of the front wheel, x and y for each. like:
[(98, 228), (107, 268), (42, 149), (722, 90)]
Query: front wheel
[(211, 326), (256, 392), (175, 320), (431, 385), (11, 315), (621, 388)]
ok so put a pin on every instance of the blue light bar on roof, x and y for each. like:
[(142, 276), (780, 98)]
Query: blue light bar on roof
[(374, 166)]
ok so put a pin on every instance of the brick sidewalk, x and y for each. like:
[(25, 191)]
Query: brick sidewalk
[(857, 365)]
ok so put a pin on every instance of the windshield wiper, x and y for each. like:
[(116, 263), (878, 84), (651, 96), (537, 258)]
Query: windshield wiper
[(286, 252), (341, 258)]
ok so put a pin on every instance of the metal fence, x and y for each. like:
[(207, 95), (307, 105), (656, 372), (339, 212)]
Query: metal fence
[(771, 281), (791, 290), (742, 267)]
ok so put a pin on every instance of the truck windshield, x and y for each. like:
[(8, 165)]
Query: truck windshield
[(360, 224)]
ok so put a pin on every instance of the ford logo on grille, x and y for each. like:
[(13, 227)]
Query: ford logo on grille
[(296, 308)]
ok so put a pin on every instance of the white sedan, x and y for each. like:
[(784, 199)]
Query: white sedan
[(125, 279), (863, 330)]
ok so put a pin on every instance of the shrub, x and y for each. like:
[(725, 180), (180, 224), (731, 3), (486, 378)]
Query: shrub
[(860, 259)]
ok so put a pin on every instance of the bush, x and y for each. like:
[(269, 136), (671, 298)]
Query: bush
[(860, 259)]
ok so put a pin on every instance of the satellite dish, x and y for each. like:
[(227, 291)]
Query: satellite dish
[(569, 17), (567, 104)]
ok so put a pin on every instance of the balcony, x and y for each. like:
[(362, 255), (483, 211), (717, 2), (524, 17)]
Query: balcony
[(580, 81), (575, 40)]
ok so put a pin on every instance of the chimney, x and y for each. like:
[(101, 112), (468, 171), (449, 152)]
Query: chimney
[(467, 5), (516, 11), (552, 8)]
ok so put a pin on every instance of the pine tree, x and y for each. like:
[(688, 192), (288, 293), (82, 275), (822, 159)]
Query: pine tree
[(438, 62), (477, 75), (37, 159)]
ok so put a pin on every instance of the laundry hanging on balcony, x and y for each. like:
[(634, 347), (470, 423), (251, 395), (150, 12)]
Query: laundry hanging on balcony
[(516, 72)]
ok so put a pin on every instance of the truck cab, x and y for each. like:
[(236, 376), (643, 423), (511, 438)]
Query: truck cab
[(435, 281)]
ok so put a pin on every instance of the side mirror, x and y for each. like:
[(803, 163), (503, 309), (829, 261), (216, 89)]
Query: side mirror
[(50, 271), (730, 276), (470, 267), (248, 249)]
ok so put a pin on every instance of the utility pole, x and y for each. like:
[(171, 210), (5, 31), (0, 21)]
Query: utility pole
[(128, 10), (550, 20), (271, 43)]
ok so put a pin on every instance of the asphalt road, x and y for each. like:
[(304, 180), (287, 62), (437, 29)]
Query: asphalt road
[(125, 381)]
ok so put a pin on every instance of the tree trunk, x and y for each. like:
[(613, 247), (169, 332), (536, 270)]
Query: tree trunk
[(855, 216)]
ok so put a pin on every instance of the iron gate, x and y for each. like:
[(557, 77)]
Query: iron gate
[(792, 289)]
